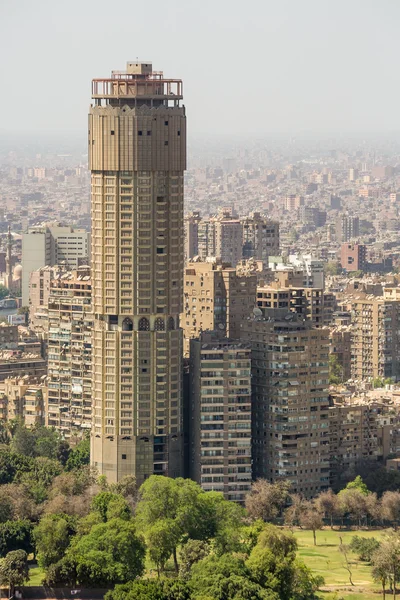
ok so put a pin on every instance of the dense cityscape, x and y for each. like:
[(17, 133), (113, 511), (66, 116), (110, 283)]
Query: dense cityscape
[(200, 332)]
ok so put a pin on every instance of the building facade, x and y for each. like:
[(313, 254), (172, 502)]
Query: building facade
[(137, 156), (220, 415), (70, 353), (290, 432)]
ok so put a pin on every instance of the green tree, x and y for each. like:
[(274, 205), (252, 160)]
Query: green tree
[(191, 553), (328, 504), (357, 484), (151, 589), (161, 539), (16, 535), (52, 537), (13, 465), (4, 292), (14, 570), (79, 456), (195, 513), (332, 268), (335, 370), (364, 547), (110, 553), (110, 505)]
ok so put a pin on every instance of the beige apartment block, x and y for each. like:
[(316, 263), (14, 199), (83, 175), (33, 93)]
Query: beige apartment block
[(69, 407), (137, 156), (24, 398), (375, 338), (289, 401), (305, 302), (39, 293), (216, 298), (220, 415), (228, 239)]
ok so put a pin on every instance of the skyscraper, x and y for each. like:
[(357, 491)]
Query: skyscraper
[(137, 155)]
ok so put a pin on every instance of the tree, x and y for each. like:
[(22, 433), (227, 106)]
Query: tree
[(110, 505), (161, 538), (364, 547), (52, 537), (335, 370), (294, 511), (79, 456), (311, 518), (195, 513), (191, 553), (4, 292), (328, 504), (358, 484), (13, 465), (110, 553), (386, 561), (16, 535), (390, 504), (14, 570), (151, 589), (354, 503), (332, 268), (344, 551), (266, 500)]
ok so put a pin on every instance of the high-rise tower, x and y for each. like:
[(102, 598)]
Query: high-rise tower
[(137, 155)]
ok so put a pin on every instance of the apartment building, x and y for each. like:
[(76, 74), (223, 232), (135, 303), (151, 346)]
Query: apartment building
[(347, 228), (217, 298), (290, 428), (70, 317), (305, 302), (51, 245), (353, 257), (260, 237), (24, 398), (191, 226), (220, 415), (375, 338), (39, 293)]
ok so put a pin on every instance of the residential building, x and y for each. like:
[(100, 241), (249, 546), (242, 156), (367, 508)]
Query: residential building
[(260, 237), (216, 298), (306, 302), (192, 235), (220, 415), (375, 338), (51, 245), (347, 228), (70, 320), (137, 156), (228, 239), (290, 432), (353, 257)]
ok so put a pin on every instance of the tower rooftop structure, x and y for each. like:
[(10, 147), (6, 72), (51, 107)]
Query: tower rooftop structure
[(139, 84)]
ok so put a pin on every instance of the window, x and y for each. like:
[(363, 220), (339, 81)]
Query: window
[(149, 133), (165, 122), (171, 323), (127, 325), (179, 133), (140, 132), (144, 324), (165, 143), (160, 250), (112, 132), (159, 324), (123, 457)]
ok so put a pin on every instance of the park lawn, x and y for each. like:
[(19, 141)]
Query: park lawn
[(36, 575), (326, 560)]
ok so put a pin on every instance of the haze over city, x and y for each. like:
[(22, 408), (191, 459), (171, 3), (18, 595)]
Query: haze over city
[(248, 67)]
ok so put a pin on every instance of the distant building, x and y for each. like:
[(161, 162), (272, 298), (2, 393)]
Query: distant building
[(260, 237), (353, 257), (347, 228), (293, 202), (52, 245)]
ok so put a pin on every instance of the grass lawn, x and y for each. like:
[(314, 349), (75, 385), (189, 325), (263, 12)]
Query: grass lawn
[(36, 575), (326, 560)]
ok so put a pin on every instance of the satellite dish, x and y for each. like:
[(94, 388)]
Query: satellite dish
[(221, 325), (257, 312)]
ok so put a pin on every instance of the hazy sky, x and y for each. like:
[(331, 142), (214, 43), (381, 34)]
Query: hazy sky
[(249, 66)]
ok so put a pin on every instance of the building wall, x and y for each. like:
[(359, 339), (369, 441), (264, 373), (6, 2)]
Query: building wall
[(220, 416), (290, 402)]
